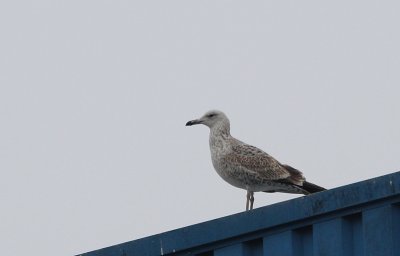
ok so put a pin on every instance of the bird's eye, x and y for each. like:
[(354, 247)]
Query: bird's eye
[(211, 115)]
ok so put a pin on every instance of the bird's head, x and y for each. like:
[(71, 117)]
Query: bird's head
[(213, 118)]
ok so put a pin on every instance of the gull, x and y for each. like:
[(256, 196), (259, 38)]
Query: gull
[(248, 167)]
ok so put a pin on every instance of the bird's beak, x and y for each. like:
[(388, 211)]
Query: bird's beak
[(193, 122)]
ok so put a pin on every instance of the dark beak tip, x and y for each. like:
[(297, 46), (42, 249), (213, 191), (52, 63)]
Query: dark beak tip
[(190, 123), (193, 122)]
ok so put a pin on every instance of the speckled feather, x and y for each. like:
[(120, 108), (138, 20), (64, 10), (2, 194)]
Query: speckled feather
[(255, 159), (250, 168)]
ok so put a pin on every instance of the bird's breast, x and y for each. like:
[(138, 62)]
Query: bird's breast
[(219, 151)]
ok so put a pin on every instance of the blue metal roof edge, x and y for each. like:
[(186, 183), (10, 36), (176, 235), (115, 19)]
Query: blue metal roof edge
[(261, 219)]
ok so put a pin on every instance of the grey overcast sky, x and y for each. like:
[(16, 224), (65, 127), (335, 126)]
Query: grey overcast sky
[(94, 96)]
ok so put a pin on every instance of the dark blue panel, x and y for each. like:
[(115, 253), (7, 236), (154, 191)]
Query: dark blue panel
[(254, 247), (379, 227), (232, 250), (204, 254), (328, 239), (303, 241), (353, 235), (326, 223), (358, 238), (396, 228), (279, 244)]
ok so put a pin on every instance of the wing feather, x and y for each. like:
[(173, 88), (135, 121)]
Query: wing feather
[(255, 160)]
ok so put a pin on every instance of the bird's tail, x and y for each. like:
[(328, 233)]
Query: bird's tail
[(311, 188)]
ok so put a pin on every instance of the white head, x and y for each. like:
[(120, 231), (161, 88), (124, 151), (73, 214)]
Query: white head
[(214, 119)]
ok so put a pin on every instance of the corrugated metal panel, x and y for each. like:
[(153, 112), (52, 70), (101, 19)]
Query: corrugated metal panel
[(361, 219)]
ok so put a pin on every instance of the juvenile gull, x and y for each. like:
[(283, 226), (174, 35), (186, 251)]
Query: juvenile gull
[(248, 167)]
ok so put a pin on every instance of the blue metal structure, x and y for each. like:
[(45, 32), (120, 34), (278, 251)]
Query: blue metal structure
[(361, 219)]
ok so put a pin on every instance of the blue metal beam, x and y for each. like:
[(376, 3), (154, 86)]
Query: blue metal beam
[(357, 219)]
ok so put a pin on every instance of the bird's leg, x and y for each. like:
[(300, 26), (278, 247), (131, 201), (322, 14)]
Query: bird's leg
[(251, 200), (248, 200)]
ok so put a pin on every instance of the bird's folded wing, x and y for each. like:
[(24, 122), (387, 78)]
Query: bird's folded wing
[(256, 160)]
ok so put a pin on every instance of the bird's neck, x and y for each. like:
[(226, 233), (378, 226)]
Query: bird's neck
[(221, 130)]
